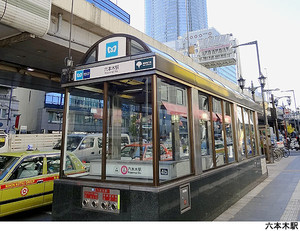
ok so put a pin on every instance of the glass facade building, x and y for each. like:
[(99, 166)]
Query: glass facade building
[(112, 9), (166, 20), (227, 72)]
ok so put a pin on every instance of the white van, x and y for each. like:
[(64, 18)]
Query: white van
[(88, 147)]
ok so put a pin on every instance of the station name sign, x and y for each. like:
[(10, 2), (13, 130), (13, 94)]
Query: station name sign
[(115, 69)]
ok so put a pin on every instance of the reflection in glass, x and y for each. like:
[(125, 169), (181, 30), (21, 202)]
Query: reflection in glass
[(85, 124), (218, 132), (205, 132), (173, 128), (247, 130), (129, 148), (91, 58), (241, 135), (228, 132), (252, 133)]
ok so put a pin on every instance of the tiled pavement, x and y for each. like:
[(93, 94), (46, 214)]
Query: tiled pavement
[(277, 198)]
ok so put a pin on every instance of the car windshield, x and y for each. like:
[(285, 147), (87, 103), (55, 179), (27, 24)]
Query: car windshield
[(124, 141), (6, 163), (131, 151), (73, 142)]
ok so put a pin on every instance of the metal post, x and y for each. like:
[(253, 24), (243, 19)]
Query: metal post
[(187, 29), (297, 127), (253, 91), (8, 124), (275, 119), (262, 87), (258, 58)]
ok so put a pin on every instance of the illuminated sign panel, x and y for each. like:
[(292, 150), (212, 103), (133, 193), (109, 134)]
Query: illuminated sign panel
[(115, 69)]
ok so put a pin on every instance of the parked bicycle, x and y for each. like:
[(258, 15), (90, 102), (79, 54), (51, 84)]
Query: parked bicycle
[(279, 152)]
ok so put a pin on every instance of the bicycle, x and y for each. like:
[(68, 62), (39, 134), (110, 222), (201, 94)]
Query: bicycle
[(278, 153), (286, 150)]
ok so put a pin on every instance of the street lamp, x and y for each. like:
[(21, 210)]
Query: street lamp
[(242, 81), (262, 80), (285, 96)]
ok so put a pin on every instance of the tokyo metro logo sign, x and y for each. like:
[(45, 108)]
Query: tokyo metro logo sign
[(112, 49)]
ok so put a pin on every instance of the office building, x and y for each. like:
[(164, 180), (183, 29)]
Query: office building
[(167, 20)]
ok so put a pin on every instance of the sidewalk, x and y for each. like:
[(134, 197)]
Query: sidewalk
[(277, 198)]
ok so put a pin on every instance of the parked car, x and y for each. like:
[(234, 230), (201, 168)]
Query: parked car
[(133, 152), (3, 142), (26, 178), (88, 147)]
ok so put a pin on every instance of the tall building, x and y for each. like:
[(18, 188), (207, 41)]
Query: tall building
[(227, 72), (167, 20)]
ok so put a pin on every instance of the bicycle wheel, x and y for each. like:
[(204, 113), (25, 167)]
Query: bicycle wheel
[(275, 157), (277, 154), (286, 152)]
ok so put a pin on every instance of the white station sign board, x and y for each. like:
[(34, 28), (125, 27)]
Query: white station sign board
[(112, 48), (115, 69)]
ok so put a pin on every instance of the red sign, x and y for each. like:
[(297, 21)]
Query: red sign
[(124, 170), (102, 190), (24, 191), (91, 195), (110, 197)]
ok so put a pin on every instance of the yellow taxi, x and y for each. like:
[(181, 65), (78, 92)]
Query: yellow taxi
[(26, 178)]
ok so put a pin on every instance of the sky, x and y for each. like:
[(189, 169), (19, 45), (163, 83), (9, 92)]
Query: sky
[(275, 24)]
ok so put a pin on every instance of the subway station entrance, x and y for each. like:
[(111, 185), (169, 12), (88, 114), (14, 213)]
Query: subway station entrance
[(171, 142)]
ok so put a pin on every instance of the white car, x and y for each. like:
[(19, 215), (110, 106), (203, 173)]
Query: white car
[(88, 147)]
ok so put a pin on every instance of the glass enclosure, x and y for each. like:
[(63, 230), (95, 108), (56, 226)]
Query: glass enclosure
[(85, 123), (173, 130), (247, 133), (204, 126), (241, 135), (229, 131), (127, 122), (218, 132), (129, 134), (128, 127), (129, 150), (252, 133)]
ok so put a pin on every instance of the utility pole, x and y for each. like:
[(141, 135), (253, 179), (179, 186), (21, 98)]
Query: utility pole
[(275, 117)]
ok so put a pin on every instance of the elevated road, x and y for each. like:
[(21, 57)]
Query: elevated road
[(35, 61)]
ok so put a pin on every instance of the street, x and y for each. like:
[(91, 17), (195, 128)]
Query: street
[(39, 214)]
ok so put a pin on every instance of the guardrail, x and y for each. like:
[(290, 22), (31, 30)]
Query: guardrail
[(42, 142)]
